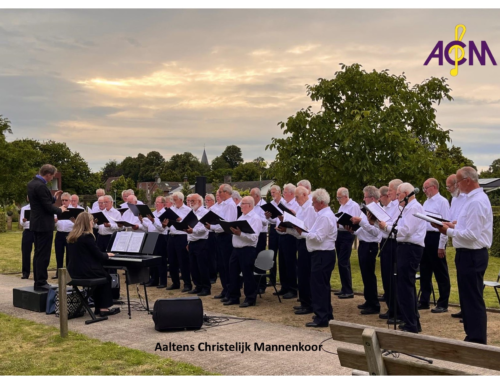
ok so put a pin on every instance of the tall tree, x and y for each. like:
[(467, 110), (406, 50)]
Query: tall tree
[(372, 127), (493, 171), (151, 165), (111, 169), (246, 172), (232, 155), (4, 127), (131, 166)]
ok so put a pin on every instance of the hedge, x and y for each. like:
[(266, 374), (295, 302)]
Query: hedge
[(495, 247), (3, 222)]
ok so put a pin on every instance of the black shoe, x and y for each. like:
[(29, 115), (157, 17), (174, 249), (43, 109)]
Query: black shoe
[(289, 295), (381, 299), (203, 293), (187, 289), (338, 293), (439, 310), (161, 286), (194, 291), (54, 277), (109, 312), (303, 311), (457, 315), (220, 296), (422, 306), (363, 306), (384, 315), (370, 310), (247, 304), (230, 303), (173, 287), (346, 296), (261, 291), (224, 300), (45, 287), (298, 307), (391, 321), (24, 277), (316, 325), (404, 328), (151, 285), (281, 292)]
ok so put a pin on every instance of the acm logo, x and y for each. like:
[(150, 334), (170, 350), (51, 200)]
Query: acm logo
[(456, 48)]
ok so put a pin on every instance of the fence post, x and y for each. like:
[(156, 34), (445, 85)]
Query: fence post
[(63, 303)]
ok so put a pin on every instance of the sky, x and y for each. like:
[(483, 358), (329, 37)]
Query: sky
[(115, 83)]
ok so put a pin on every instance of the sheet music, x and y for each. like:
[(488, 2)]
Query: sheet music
[(121, 241), (135, 243), (432, 214), (378, 212), (294, 221), (428, 219)]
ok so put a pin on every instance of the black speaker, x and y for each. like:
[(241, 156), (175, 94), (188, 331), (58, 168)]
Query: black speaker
[(200, 186), (30, 299), (178, 313)]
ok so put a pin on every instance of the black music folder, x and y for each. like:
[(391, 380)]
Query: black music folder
[(101, 218), (68, 214), (27, 214), (291, 222), (210, 218), (122, 210), (170, 215), (269, 207), (137, 210), (244, 226), (238, 208), (189, 220), (344, 219), (284, 208)]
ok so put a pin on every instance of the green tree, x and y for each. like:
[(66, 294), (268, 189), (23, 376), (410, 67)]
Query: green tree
[(111, 169), (452, 159), (152, 165), (4, 127), (131, 166), (121, 184), (232, 155), (185, 164), (220, 163), (493, 171), (186, 189), (246, 172), (372, 127)]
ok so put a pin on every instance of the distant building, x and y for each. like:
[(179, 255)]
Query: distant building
[(489, 184), (204, 159)]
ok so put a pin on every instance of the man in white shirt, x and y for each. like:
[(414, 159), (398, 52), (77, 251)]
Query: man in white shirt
[(262, 242), (274, 237), (307, 214), (243, 257), (320, 243), (74, 200), (344, 244), (212, 241), (434, 257), (369, 239), (228, 212), (288, 248), (307, 185), (106, 230), (197, 247), (472, 236), (178, 256), (27, 242), (63, 228), (158, 274), (411, 242), (99, 193), (128, 216)]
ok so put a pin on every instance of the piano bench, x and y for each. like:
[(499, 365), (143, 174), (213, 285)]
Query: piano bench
[(91, 284)]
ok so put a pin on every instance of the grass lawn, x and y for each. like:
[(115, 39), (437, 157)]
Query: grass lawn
[(29, 348), (10, 262)]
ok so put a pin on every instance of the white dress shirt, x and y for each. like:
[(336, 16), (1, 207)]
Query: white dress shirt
[(440, 205), (410, 228), (125, 204), (181, 212), (306, 214), (262, 215), (248, 239), (368, 232), (155, 226), (393, 210), (456, 206), (228, 212), (474, 228), (111, 213), (129, 217), (323, 233), (292, 205), (199, 230), (25, 225), (351, 208), (95, 206)]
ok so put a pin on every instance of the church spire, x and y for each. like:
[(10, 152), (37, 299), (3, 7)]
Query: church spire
[(204, 159)]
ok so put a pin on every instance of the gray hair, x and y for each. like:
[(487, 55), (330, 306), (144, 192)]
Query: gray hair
[(321, 196), (133, 199), (305, 183), (66, 194), (433, 182), (249, 200), (372, 191), (100, 190), (406, 187), (125, 192), (469, 172), (130, 191), (343, 192), (162, 199), (383, 190), (227, 188), (301, 190), (276, 187), (210, 196), (197, 197), (178, 195), (289, 187), (236, 195), (169, 198), (394, 184), (108, 197), (256, 191)]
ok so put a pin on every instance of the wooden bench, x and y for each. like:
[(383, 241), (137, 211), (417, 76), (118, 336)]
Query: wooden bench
[(375, 340)]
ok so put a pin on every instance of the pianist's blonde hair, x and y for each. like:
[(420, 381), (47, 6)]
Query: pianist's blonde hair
[(83, 225)]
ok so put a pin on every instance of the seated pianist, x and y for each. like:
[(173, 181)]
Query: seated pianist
[(85, 262)]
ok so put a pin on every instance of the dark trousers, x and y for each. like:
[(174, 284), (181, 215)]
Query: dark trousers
[(387, 261), (41, 259), (162, 268), (261, 245), (158, 274), (322, 265), (242, 261), (224, 251), (274, 242), (212, 255), (96, 233), (102, 244), (288, 263), (409, 256), (178, 258), (26, 247), (471, 266), (102, 295), (431, 263), (367, 255), (304, 274), (60, 246), (199, 261), (343, 245)]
